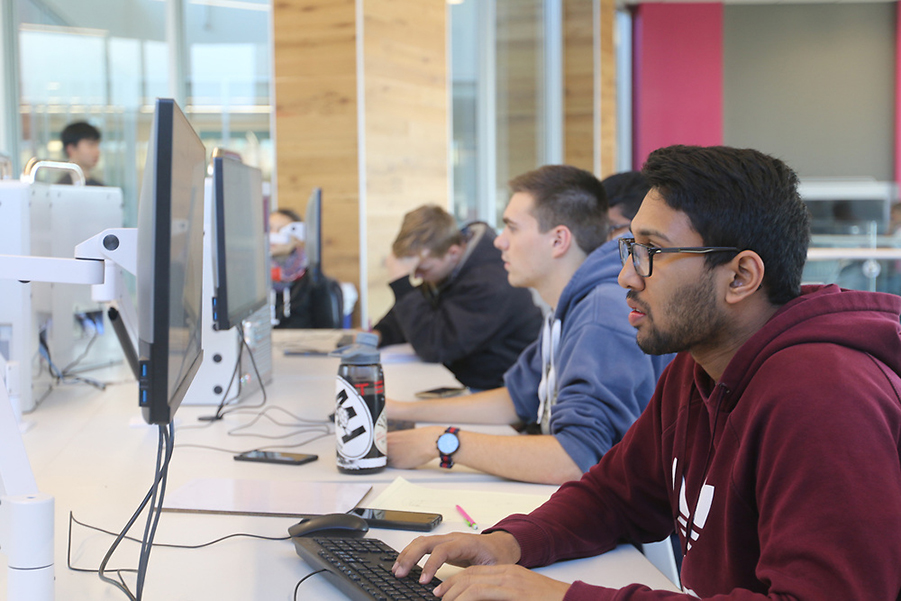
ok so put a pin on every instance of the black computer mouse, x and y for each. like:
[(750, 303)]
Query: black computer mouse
[(331, 525)]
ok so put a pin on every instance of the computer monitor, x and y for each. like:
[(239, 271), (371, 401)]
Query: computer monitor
[(313, 231), (170, 263), (240, 242)]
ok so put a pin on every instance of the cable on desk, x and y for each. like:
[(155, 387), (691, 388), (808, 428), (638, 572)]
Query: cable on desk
[(256, 371), (278, 446), (305, 578), (74, 363), (74, 520), (69, 548), (301, 425), (165, 446), (218, 414), (314, 425), (62, 376), (225, 400), (156, 509)]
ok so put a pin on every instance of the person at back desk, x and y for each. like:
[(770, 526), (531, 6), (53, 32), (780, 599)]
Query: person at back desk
[(464, 314), (81, 143), (772, 445), (584, 382)]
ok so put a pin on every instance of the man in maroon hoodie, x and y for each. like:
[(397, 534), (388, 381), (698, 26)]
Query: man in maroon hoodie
[(771, 445)]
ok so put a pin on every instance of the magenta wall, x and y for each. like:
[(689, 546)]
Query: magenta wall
[(678, 76)]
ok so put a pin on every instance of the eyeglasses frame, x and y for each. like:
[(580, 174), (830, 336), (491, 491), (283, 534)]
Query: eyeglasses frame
[(626, 244)]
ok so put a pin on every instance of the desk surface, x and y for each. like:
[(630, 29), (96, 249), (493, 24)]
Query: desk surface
[(92, 452)]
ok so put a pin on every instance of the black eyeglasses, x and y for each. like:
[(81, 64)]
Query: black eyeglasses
[(643, 255)]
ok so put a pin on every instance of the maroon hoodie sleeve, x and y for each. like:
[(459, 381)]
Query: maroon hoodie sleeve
[(608, 505)]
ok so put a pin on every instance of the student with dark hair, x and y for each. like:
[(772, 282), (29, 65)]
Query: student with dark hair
[(625, 191), (583, 382), (463, 313), (81, 143), (771, 445)]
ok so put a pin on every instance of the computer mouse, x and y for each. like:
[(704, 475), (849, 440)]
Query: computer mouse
[(331, 525)]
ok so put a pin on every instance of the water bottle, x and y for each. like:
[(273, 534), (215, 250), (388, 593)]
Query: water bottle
[(361, 426)]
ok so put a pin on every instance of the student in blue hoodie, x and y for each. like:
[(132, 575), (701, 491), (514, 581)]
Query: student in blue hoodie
[(583, 382)]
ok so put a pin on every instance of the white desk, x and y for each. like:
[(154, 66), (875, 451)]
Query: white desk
[(89, 452)]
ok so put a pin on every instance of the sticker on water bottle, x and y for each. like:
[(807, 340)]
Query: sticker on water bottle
[(353, 423)]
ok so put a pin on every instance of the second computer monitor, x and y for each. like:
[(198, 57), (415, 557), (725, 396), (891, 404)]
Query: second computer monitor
[(240, 242)]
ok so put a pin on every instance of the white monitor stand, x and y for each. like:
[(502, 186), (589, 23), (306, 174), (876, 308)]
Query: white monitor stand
[(26, 514)]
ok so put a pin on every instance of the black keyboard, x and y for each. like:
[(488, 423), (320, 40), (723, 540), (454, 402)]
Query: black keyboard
[(361, 568)]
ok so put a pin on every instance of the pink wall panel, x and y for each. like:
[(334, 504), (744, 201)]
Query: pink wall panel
[(678, 76)]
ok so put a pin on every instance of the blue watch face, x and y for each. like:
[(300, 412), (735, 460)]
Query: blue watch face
[(448, 443)]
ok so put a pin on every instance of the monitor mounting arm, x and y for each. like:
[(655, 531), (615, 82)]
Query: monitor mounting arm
[(26, 514)]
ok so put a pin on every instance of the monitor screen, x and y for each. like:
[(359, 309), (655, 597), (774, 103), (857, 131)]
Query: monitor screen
[(170, 263), (241, 263), (313, 230)]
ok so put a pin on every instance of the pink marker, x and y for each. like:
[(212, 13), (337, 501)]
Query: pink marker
[(469, 521)]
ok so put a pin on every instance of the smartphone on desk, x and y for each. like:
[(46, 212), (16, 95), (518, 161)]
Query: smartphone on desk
[(398, 520), (441, 392), (277, 457)]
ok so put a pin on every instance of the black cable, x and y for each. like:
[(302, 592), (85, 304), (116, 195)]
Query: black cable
[(304, 423), (59, 376), (67, 369), (279, 446), (150, 493), (305, 578), (74, 520), (256, 372), (156, 509), (218, 415)]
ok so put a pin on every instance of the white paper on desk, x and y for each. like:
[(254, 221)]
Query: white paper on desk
[(398, 353), (265, 497), (485, 507)]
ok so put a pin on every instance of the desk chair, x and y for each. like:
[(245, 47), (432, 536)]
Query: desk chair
[(315, 301)]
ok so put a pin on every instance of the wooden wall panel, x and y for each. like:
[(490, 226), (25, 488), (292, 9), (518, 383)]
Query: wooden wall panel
[(519, 95), (316, 121), (579, 108), (607, 108), (582, 69), (404, 126), (407, 124)]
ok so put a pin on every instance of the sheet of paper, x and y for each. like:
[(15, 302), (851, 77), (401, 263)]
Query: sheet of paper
[(265, 497), (398, 353), (485, 507)]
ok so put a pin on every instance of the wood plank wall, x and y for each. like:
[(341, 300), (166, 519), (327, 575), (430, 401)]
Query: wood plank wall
[(403, 130), (405, 111), (519, 53), (607, 108), (316, 121), (407, 124), (579, 28), (581, 71)]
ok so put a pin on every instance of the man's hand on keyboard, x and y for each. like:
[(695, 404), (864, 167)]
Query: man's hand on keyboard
[(459, 549), (501, 582)]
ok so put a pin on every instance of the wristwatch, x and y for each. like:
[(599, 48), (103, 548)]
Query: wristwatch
[(448, 444)]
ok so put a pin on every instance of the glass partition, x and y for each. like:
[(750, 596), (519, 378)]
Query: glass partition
[(106, 62), (856, 234)]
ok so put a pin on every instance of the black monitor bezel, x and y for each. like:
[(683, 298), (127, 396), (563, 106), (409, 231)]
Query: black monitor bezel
[(226, 316), (157, 406)]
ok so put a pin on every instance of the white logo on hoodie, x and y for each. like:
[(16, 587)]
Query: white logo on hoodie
[(705, 500)]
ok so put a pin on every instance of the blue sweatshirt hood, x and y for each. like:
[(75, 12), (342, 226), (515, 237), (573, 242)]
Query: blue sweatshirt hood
[(596, 268)]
